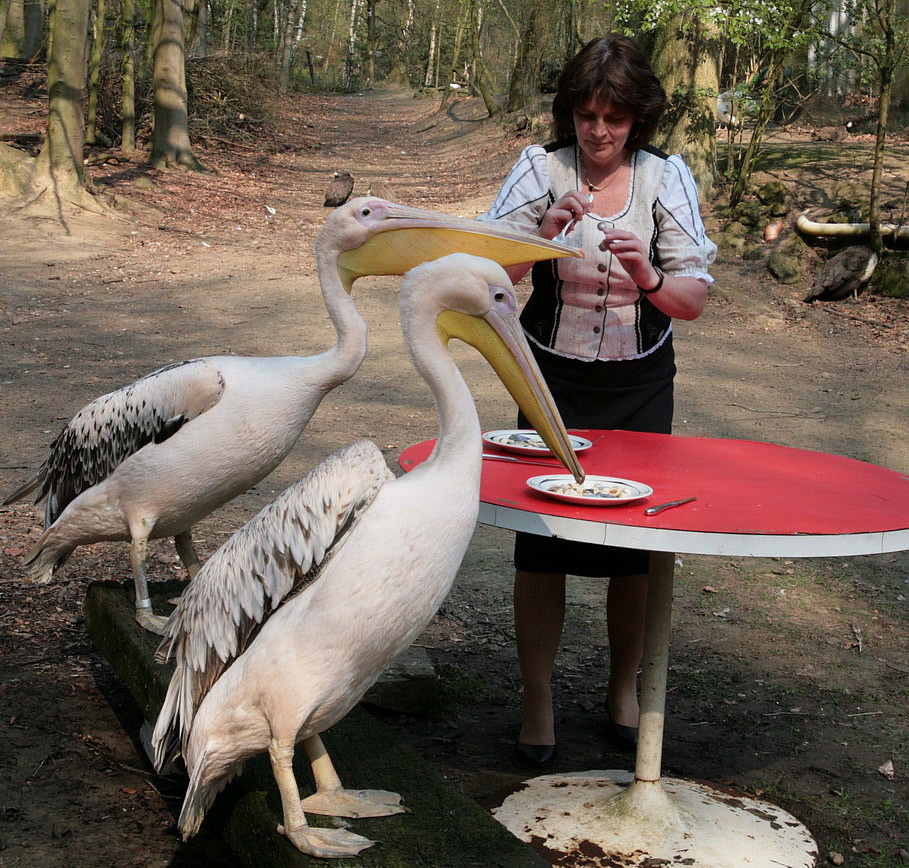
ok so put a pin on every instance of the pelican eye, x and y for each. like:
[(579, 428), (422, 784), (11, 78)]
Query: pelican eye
[(499, 296), (365, 212)]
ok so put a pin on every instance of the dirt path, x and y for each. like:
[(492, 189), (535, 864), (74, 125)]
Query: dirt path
[(788, 679)]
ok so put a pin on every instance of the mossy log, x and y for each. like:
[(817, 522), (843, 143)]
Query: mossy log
[(443, 828)]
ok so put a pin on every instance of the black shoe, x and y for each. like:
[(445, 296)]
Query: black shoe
[(534, 755), (624, 737)]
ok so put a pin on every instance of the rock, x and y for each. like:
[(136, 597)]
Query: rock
[(774, 196), (749, 212), (410, 685), (785, 267)]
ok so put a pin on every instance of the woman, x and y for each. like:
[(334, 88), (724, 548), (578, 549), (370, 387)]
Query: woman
[(601, 328)]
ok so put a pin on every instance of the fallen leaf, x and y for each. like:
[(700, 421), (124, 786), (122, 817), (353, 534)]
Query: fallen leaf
[(887, 770)]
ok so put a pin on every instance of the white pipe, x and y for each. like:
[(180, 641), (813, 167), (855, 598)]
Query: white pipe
[(857, 230)]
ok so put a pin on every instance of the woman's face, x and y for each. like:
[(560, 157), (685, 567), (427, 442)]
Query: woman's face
[(602, 132)]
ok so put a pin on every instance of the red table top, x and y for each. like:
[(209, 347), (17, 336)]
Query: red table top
[(742, 487)]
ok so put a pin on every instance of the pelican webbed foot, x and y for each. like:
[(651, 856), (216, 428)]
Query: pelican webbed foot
[(325, 843), (353, 803), (151, 622)]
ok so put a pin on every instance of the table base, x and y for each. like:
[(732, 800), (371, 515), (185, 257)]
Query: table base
[(603, 818)]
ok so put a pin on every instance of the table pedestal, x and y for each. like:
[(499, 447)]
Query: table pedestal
[(626, 819)]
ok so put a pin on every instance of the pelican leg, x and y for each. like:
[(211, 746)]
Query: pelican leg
[(332, 800), (187, 553), (138, 551), (323, 843)]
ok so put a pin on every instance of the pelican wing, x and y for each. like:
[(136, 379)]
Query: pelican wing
[(111, 428), (272, 558)]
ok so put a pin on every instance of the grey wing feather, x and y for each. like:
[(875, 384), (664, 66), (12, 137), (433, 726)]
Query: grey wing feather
[(111, 428), (272, 558)]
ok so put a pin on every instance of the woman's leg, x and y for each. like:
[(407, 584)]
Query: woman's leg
[(539, 612), (626, 604)]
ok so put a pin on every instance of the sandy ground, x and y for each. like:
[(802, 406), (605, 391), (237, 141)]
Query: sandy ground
[(788, 679)]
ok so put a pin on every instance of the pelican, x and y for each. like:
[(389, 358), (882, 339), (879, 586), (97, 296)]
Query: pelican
[(289, 623), (153, 458)]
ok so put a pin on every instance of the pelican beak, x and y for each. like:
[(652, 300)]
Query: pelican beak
[(407, 237), (500, 339)]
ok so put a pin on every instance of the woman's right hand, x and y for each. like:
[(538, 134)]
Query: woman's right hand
[(563, 211)]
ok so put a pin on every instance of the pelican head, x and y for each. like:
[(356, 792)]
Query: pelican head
[(374, 236), (478, 306)]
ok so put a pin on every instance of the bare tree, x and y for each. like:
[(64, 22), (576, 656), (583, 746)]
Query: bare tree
[(127, 78), (171, 147), (59, 168), (685, 57)]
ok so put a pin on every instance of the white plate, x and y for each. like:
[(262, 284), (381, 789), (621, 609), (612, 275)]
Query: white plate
[(615, 491), (532, 443)]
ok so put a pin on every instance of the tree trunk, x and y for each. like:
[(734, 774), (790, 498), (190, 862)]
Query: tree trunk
[(455, 57), (351, 42), (170, 140), (21, 28), (685, 61), (481, 77), (94, 74), (59, 171), (431, 54), (198, 41), (127, 79), (370, 42), (523, 86), (399, 73), (880, 142), (765, 111)]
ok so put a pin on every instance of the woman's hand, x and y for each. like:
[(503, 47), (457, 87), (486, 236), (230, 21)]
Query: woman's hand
[(680, 296), (572, 206), (630, 251)]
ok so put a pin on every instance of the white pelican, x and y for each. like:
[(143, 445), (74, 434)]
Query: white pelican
[(155, 457), (289, 622)]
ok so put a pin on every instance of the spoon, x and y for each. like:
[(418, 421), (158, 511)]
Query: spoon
[(560, 238)]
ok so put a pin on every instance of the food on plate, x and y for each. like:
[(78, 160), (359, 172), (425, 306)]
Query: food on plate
[(591, 489)]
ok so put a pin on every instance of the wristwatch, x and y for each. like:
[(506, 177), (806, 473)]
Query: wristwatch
[(658, 286)]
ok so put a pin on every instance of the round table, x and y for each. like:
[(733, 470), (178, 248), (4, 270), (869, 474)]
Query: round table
[(751, 499)]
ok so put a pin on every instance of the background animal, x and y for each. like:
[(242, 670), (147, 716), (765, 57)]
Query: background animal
[(339, 189), (844, 274)]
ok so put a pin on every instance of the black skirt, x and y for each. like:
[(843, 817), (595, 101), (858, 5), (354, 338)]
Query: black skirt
[(632, 395)]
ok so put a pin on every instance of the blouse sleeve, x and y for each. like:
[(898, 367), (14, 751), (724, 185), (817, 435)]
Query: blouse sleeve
[(524, 196), (682, 244)]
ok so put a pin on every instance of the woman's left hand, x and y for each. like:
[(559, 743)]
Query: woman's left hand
[(682, 297), (630, 251)]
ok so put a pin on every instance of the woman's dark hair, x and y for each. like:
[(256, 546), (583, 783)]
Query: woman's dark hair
[(610, 70)]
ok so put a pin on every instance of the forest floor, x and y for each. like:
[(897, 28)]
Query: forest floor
[(789, 679)]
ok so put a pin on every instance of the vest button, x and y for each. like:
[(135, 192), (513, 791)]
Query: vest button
[(600, 291), (602, 266), (603, 245), (599, 308), (596, 330), (603, 226)]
